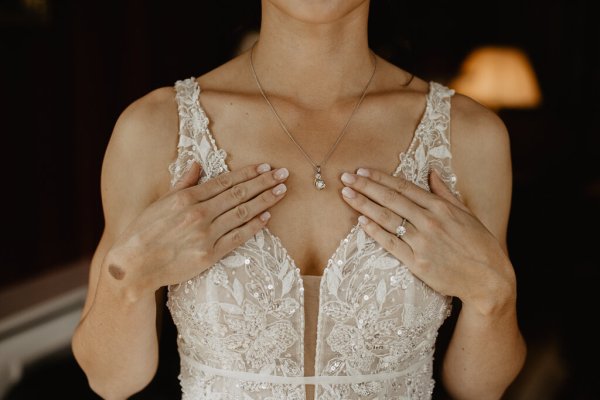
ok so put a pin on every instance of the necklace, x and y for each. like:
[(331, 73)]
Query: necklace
[(318, 181)]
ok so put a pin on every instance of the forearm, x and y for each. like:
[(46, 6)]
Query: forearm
[(116, 343), (485, 354)]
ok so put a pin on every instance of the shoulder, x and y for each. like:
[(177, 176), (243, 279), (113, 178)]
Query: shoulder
[(151, 117), (478, 124), (481, 160), (479, 139), (142, 144)]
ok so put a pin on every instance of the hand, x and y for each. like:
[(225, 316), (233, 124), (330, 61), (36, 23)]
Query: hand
[(192, 226), (445, 245)]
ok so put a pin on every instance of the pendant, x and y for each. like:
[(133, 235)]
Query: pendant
[(319, 182)]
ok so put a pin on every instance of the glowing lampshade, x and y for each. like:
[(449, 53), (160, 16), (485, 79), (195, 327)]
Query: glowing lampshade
[(499, 77)]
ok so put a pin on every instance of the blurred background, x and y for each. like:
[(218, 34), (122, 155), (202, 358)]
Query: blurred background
[(69, 68)]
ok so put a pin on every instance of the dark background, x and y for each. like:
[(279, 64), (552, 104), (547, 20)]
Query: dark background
[(70, 68)]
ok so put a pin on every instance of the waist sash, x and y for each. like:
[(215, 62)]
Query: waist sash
[(304, 380)]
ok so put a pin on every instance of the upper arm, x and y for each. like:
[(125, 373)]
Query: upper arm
[(134, 171), (482, 162)]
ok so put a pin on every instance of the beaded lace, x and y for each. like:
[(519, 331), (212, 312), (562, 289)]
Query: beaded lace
[(241, 322)]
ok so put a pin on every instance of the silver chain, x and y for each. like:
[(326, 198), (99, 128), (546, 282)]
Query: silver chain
[(316, 166)]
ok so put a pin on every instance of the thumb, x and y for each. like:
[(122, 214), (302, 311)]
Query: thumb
[(438, 186), (189, 178)]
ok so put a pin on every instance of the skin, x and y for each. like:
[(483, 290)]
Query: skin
[(313, 61), (116, 272)]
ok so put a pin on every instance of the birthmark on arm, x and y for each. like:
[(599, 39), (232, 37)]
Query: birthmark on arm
[(116, 272)]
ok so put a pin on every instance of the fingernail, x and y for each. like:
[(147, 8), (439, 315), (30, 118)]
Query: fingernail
[(279, 189), (265, 216), (348, 192), (362, 172), (281, 173), (348, 178), (363, 220), (263, 168)]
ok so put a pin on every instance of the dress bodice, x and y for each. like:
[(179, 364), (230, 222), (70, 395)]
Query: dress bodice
[(241, 323)]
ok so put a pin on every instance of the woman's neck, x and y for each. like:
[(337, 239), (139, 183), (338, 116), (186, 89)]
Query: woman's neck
[(316, 63)]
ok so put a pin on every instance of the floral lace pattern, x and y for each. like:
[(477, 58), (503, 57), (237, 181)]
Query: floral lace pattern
[(194, 145), (241, 322)]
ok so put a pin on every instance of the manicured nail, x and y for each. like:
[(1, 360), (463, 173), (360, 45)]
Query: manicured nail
[(265, 216), (362, 172), (281, 173), (264, 167), (279, 189), (363, 220), (348, 178), (348, 192)]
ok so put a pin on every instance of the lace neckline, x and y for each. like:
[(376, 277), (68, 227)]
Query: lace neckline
[(353, 230)]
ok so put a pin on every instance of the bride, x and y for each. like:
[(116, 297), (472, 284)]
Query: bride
[(307, 210)]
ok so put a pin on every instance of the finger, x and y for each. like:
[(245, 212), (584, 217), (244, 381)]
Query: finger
[(383, 216), (439, 187), (388, 241), (385, 196), (189, 178), (247, 210), (417, 194), (225, 181), (242, 192), (240, 235)]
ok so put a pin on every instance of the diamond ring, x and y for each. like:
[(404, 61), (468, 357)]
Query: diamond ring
[(401, 230)]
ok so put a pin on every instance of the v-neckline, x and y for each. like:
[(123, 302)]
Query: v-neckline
[(356, 226)]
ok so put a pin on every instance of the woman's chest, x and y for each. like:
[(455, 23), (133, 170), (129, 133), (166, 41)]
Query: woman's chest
[(310, 222)]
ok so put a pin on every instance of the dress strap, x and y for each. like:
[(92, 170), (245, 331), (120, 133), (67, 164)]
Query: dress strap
[(195, 141), (437, 135)]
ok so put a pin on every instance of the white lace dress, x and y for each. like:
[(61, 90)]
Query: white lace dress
[(241, 322)]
